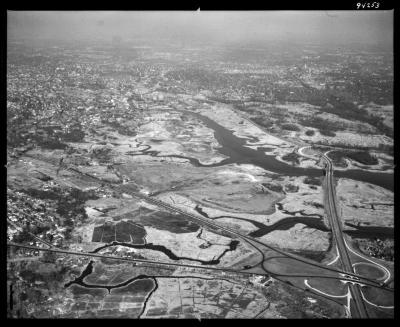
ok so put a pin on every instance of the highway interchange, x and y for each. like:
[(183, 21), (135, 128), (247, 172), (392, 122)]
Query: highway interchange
[(354, 288), (354, 299)]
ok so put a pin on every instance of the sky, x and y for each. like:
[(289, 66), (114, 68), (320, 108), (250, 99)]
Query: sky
[(365, 27)]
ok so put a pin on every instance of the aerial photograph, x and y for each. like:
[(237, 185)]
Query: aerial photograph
[(200, 164)]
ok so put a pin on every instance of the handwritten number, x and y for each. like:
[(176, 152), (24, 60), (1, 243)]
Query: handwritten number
[(368, 5)]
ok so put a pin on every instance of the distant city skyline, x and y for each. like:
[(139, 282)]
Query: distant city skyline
[(366, 27)]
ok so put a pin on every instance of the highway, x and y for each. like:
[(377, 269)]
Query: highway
[(126, 188), (347, 275), (336, 227), (143, 262), (356, 303), (250, 240), (159, 264)]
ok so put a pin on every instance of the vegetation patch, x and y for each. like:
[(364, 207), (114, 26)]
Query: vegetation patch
[(321, 124), (173, 223), (377, 248), (337, 158), (363, 157), (137, 287), (262, 121), (273, 187), (292, 157), (312, 180), (291, 127), (75, 135), (314, 204), (36, 271), (327, 132), (291, 188)]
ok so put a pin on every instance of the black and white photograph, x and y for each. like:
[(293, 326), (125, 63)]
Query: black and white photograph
[(200, 164)]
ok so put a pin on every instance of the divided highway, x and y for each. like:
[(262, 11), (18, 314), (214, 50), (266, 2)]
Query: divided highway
[(336, 226), (346, 274), (126, 188)]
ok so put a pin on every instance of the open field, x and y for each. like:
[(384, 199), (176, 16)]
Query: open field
[(190, 182)]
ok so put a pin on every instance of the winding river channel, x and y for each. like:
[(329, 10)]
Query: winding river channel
[(234, 147), (237, 152)]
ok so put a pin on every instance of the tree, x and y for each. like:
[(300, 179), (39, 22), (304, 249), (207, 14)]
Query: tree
[(49, 257)]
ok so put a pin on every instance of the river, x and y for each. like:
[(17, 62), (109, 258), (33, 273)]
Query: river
[(234, 147)]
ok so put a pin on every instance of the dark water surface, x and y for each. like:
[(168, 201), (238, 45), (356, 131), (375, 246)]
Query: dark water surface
[(161, 248), (234, 147)]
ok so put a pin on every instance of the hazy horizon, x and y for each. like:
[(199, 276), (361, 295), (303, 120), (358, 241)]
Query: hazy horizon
[(324, 27)]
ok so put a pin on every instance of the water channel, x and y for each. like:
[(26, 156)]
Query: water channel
[(234, 147)]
